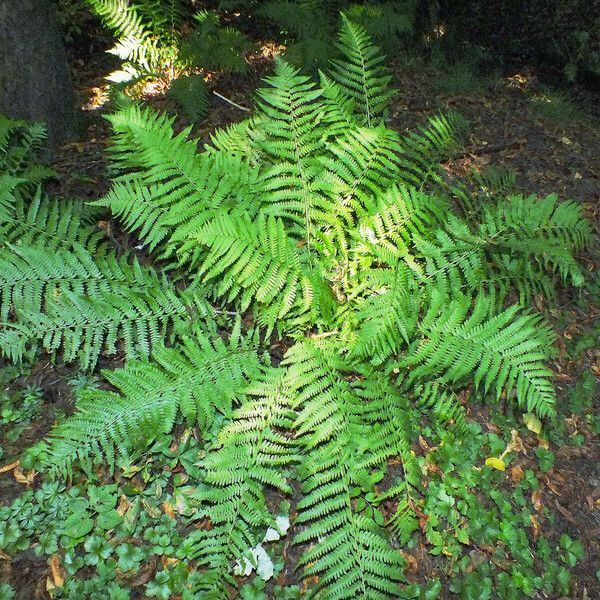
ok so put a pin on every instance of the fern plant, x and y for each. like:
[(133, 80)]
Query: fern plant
[(307, 26), (332, 235), (151, 43)]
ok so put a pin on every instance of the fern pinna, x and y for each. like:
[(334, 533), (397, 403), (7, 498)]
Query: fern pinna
[(322, 228)]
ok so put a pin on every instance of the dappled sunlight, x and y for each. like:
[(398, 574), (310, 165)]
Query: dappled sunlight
[(97, 98)]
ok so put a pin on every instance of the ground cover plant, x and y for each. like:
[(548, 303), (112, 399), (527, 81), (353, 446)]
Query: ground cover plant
[(312, 293)]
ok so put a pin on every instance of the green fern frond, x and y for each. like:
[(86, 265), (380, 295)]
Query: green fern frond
[(391, 439), (361, 73), (239, 139), (425, 148), (257, 261), (83, 326), (137, 41), (41, 221), (443, 405), (398, 218), (21, 144), (191, 93), (171, 184), (543, 230), (503, 352), (32, 276), (389, 23), (295, 17), (495, 180), (292, 141), (360, 165), (253, 452), (213, 46), (200, 378), (8, 196), (352, 556), (340, 109), (455, 261), (387, 317), (307, 39)]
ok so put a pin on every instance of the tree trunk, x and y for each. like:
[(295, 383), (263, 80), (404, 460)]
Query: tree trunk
[(35, 82)]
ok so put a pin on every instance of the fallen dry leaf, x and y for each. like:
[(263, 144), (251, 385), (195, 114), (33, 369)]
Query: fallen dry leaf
[(515, 445), (535, 527), (495, 463), (24, 478), (412, 565), (168, 508), (141, 577), (55, 569), (123, 505), (10, 467), (516, 474), (536, 500), (168, 561)]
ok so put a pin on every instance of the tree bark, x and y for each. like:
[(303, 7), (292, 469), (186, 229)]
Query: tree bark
[(35, 82)]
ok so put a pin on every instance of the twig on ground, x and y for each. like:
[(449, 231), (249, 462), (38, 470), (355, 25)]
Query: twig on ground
[(231, 102)]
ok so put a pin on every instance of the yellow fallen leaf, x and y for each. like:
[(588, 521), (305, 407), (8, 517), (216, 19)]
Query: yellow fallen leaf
[(123, 505), (515, 444), (535, 524), (58, 579), (495, 463), (532, 423), (168, 508), (9, 467)]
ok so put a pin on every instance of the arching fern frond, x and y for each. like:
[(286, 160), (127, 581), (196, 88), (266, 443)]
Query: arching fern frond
[(503, 352), (20, 148), (398, 217), (387, 317), (136, 42), (200, 378), (391, 439), (83, 326), (257, 261), (442, 405), (32, 276), (359, 165), (213, 46), (352, 556), (171, 184), (191, 94), (425, 148), (253, 452), (292, 141), (455, 261), (54, 224), (361, 73), (542, 230)]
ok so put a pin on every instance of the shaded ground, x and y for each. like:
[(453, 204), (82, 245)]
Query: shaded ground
[(506, 131)]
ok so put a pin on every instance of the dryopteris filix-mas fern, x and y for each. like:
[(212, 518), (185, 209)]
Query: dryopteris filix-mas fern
[(315, 221)]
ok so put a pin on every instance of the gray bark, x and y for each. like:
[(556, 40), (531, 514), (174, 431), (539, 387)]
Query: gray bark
[(35, 82)]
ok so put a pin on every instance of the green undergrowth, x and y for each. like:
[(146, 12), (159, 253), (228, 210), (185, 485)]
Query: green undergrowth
[(476, 527)]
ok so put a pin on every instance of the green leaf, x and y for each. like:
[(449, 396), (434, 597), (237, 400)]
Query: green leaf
[(78, 525)]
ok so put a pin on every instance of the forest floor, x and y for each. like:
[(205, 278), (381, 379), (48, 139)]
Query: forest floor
[(512, 126)]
